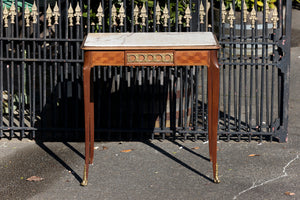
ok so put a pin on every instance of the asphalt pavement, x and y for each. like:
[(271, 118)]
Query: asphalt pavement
[(160, 169)]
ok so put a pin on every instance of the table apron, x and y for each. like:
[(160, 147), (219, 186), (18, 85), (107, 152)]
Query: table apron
[(148, 58)]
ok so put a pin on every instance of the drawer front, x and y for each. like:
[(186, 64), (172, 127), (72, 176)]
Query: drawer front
[(149, 58)]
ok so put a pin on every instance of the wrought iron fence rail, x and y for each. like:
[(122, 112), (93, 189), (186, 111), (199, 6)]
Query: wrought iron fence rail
[(39, 40), (18, 61)]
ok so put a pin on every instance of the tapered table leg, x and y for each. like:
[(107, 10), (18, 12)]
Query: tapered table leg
[(88, 110), (92, 122), (213, 81)]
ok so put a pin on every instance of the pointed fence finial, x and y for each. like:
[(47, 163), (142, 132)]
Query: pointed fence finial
[(100, 14), (253, 17), (267, 12), (78, 13), (179, 19), (136, 15), (27, 16), (224, 13), (70, 15), (245, 12), (5, 16), (114, 15), (56, 13), (49, 15), (165, 16), (121, 15), (34, 13), (231, 17), (187, 16), (275, 18), (143, 15), (12, 12), (157, 13), (201, 13)]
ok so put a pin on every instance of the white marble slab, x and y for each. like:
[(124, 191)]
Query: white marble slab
[(150, 39)]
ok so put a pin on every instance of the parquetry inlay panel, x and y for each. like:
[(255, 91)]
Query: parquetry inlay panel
[(151, 57)]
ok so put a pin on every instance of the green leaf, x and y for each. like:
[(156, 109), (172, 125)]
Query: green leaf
[(272, 6), (259, 3)]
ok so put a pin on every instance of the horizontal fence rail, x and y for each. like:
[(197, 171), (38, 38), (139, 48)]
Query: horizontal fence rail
[(41, 71)]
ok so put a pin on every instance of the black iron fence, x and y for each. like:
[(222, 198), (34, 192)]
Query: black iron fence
[(41, 70)]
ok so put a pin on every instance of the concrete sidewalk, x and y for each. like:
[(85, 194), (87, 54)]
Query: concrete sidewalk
[(159, 170)]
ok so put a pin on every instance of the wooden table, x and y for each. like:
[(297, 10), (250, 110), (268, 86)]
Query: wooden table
[(151, 49)]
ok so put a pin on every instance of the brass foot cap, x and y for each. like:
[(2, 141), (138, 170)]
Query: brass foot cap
[(216, 180), (84, 183)]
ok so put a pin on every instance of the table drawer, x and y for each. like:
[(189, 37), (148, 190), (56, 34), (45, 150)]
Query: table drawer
[(149, 58)]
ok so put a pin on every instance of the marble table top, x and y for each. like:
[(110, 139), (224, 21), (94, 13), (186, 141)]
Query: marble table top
[(165, 40)]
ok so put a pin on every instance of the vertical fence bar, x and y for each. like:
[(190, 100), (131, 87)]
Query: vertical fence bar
[(132, 16), (43, 84), (256, 74), (1, 69), (152, 94), (234, 59), (176, 16), (56, 65), (110, 22), (17, 92), (267, 60), (22, 96), (231, 47), (196, 100), (190, 110), (40, 77), (169, 22), (165, 101), (142, 81), (33, 115), (203, 107), (49, 68), (180, 106), (264, 28), (125, 19), (71, 80), (130, 92), (185, 107), (29, 78), (78, 92), (160, 94), (11, 69), (245, 66), (147, 19), (65, 72), (172, 101), (251, 81), (242, 37), (221, 32)]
